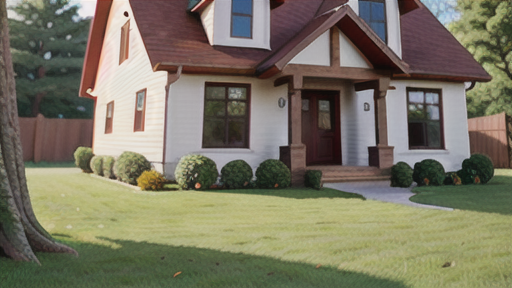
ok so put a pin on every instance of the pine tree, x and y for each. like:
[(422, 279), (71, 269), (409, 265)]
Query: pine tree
[(48, 43)]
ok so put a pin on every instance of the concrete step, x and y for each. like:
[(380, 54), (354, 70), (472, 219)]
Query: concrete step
[(354, 178), (347, 171)]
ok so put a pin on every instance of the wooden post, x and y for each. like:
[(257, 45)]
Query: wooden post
[(39, 138)]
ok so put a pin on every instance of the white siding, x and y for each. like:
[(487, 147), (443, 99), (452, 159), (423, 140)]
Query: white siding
[(455, 124), (316, 53), (268, 122), (119, 83), (350, 56), (207, 20)]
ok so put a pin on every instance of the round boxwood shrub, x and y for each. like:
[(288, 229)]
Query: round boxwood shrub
[(451, 178), (97, 165), (151, 181), (129, 166), (480, 166), (108, 167), (236, 174), (83, 157), (428, 172), (468, 176), (196, 172), (401, 175), (273, 174), (313, 179)]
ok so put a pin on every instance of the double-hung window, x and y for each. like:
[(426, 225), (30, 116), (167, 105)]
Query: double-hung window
[(226, 115), (373, 12), (425, 118), (109, 118), (241, 18), (140, 110)]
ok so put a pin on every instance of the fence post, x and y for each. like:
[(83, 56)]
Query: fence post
[(39, 137)]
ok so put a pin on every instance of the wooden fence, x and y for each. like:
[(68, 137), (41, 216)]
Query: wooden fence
[(492, 136), (53, 140)]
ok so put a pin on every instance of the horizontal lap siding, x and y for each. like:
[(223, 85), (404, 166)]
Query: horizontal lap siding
[(119, 83)]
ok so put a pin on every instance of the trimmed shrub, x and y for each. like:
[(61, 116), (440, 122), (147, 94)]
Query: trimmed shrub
[(108, 167), (273, 174), (451, 178), (468, 176), (401, 175), (97, 165), (236, 174), (480, 166), (428, 172), (196, 172), (313, 179), (129, 166), (83, 157), (151, 181)]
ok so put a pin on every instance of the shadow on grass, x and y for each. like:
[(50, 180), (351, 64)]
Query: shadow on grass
[(44, 164), (493, 197), (141, 264), (296, 193)]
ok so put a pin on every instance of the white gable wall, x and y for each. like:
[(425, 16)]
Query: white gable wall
[(119, 83), (317, 52), (207, 17), (350, 56)]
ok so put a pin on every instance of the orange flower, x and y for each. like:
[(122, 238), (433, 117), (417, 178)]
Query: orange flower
[(198, 186), (277, 185), (246, 183), (477, 180), (426, 181)]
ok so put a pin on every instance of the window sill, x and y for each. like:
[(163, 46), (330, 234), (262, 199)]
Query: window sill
[(425, 152), (225, 150)]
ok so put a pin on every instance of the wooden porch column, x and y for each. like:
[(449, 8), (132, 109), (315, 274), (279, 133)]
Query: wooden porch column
[(380, 156)]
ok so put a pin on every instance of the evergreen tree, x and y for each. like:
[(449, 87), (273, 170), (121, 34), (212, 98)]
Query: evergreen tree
[(48, 43), (485, 29)]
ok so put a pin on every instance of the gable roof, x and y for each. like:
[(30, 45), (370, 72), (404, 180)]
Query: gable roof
[(174, 37)]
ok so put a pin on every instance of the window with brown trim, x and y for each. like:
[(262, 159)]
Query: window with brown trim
[(226, 115), (109, 118), (373, 12), (241, 18), (125, 42), (425, 118), (140, 110)]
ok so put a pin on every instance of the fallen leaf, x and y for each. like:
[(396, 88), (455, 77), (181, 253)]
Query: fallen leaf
[(270, 274), (449, 264), (217, 263), (176, 274), (191, 260), (163, 257), (318, 266)]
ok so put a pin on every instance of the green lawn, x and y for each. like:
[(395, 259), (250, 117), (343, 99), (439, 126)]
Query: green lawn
[(273, 238)]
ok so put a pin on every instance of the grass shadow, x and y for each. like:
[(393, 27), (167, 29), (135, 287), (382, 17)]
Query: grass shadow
[(141, 264), (295, 193), (493, 197)]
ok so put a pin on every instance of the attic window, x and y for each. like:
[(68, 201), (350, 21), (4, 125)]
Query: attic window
[(241, 18), (373, 12), (125, 42)]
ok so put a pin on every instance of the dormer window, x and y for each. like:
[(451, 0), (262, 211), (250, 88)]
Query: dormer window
[(241, 18), (373, 12)]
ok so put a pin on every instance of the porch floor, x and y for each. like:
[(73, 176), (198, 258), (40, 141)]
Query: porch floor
[(338, 173)]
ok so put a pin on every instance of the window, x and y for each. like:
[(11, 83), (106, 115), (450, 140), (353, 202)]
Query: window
[(140, 110), (373, 12), (425, 117), (226, 115), (125, 42), (241, 18), (109, 118)]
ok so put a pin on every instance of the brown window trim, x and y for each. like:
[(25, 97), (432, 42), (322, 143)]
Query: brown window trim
[(125, 42), (441, 117), (385, 18), (244, 15), (109, 121), (140, 116), (226, 116)]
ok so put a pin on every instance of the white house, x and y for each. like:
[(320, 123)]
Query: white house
[(348, 87)]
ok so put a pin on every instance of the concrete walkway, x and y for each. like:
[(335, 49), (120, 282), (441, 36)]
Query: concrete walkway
[(381, 191)]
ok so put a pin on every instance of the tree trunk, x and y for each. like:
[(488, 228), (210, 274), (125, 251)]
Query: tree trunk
[(20, 233)]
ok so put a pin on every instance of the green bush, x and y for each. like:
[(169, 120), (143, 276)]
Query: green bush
[(196, 172), (151, 181), (97, 165), (83, 157), (108, 167), (273, 174), (428, 172), (401, 175), (236, 174), (313, 179), (129, 166), (451, 178), (480, 166)]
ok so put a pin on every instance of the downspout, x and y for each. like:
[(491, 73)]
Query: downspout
[(171, 78)]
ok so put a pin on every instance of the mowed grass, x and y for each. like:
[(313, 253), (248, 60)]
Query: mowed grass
[(128, 238), (493, 197)]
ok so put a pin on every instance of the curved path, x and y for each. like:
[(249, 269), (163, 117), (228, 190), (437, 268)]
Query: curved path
[(381, 191)]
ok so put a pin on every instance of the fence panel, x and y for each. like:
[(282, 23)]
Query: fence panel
[(490, 135), (53, 140)]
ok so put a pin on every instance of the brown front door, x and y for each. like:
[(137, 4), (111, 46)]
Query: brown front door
[(321, 127)]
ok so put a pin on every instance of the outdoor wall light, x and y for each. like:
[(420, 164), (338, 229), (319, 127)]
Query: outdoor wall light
[(281, 102), (366, 106)]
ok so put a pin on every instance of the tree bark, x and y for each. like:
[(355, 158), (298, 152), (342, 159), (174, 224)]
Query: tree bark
[(20, 233)]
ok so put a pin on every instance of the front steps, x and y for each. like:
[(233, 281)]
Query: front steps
[(337, 173)]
